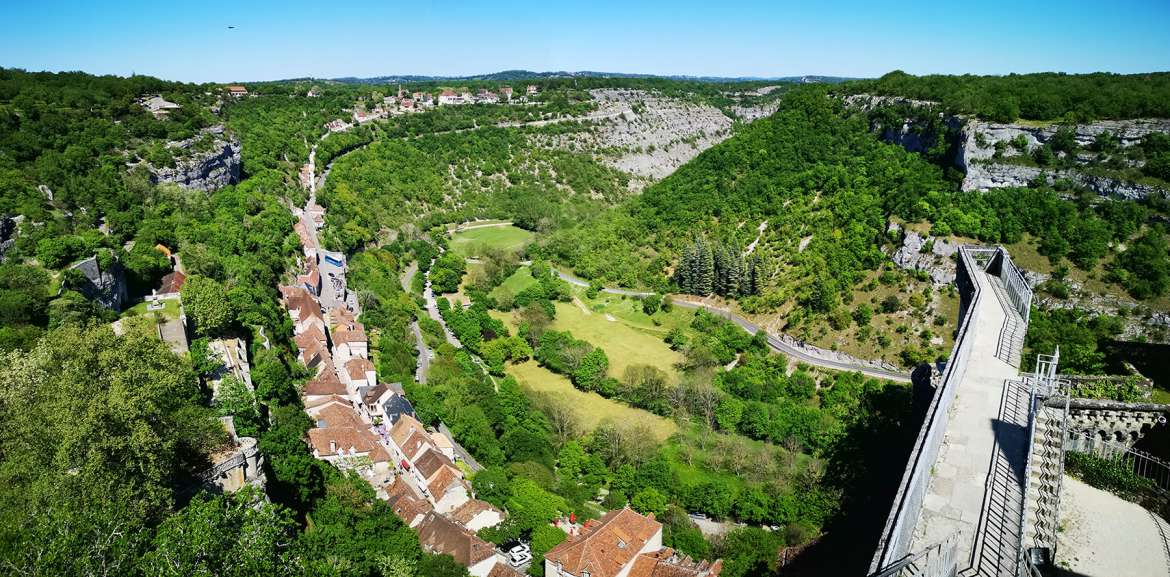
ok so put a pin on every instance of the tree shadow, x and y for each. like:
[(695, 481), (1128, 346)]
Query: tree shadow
[(866, 466)]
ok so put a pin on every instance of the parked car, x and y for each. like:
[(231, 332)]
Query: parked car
[(518, 559)]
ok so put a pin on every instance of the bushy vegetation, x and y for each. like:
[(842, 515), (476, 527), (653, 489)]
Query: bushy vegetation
[(1042, 96), (452, 177)]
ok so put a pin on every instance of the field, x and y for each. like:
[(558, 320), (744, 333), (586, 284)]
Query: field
[(515, 284), (624, 344), (470, 243), (592, 409)]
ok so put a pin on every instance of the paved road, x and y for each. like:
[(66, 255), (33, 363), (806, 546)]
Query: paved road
[(459, 450), (408, 276), (777, 343), (424, 354)]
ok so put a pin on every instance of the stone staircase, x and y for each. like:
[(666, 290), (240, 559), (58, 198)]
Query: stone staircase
[(1046, 467), (1011, 336)]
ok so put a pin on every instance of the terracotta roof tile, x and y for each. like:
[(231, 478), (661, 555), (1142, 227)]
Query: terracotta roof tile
[(172, 282), (338, 415), (443, 480), (438, 534), (334, 440), (326, 384), (403, 428), (503, 570), (466, 512), (668, 563), (606, 545), (430, 463), (358, 367)]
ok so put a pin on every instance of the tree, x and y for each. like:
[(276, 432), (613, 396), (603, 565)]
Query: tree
[(205, 301), (651, 303), (237, 534), (233, 399), (492, 485), (649, 500), (137, 427), (591, 370)]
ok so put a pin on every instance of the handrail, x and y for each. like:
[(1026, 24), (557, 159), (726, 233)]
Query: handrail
[(945, 552), (895, 538)]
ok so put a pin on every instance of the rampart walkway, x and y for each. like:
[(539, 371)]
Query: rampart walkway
[(960, 506), (977, 480)]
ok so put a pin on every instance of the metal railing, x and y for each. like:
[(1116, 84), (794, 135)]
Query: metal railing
[(936, 560), (1138, 462), (894, 544), (1043, 385)]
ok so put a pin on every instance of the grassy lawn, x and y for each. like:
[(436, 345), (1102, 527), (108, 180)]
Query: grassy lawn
[(470, 243), (170, 309), (592, 409), (515, 284), (624, 344)]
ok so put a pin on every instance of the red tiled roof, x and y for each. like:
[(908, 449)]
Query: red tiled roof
[(310, 336), (503, 570), (357, 368), (430, 463), (443, 480), (344, 438), (326, 384), (172, 282), (667, 563), (416, 444), (356, 334), (438, 534), (466, 512), (310, 405), (405, 502), (403, 429), (373, 394), (606, 545), (338, 416)]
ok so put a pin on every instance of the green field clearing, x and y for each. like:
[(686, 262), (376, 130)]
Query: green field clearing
[(515, 284), (623, 344), (591, 408), (469, 243)]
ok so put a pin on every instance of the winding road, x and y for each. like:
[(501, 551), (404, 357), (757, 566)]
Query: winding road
[(781, 344)]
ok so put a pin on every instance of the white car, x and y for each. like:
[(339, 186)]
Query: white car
[(516, 559), (521, 548)]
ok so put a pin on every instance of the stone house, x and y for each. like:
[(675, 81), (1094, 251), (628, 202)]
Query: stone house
[(605, 547), (441, 536)]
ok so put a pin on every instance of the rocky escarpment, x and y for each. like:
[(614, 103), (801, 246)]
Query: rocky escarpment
[(933, 256), (986, 150), (207, 161), (996, 155)]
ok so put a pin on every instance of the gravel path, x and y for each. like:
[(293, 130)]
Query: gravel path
[(1107, 536)]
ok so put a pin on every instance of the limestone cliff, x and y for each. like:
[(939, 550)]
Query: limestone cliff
[(984, 150), (208, 161)]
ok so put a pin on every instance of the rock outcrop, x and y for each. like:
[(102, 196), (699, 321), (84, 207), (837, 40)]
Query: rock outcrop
[(935, 256), (977, 140), (207, 169), (106, 286)]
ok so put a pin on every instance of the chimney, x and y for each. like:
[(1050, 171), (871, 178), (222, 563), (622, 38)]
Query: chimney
[(333, 447)]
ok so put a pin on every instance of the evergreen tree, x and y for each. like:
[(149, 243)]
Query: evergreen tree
[(705, 283)]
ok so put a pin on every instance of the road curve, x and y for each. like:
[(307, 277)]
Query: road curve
[(777, 344)]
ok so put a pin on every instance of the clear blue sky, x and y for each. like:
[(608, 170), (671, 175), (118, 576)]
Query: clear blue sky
[(190, 41)]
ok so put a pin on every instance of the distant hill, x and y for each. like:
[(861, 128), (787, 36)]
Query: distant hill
[(514, 75)]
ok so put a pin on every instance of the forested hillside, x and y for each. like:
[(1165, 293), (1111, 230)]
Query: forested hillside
[(490, 172), (1042, 96), (827, 190), (104, 434)]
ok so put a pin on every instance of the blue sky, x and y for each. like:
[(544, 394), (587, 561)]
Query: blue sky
[(190, 41)]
